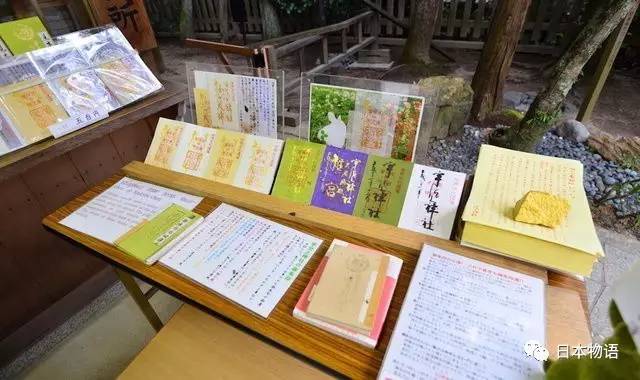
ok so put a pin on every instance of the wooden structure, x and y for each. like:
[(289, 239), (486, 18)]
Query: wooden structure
[(550, 25), (47, 279), (195, 345), (347, 358)]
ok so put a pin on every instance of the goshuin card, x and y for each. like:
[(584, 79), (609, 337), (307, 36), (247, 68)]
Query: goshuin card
[(339, 180), (383, 189), (298, 171)]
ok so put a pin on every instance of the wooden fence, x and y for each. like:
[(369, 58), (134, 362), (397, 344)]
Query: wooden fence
[(462, 23)]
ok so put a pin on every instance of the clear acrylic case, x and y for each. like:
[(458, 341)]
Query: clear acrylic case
[(243, 99), (372, 116)]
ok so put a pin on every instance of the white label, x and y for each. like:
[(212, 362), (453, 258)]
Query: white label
[(76, 122), (4, 50)]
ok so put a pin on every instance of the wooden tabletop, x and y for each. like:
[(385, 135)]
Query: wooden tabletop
[(23, 159), (336, 353)]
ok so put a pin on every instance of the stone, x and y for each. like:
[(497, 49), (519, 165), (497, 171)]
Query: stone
[(573, 130), (537, 207), (624, 149), (452, 97), (609, 180)]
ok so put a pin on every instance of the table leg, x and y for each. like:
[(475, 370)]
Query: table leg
[(138, 296)]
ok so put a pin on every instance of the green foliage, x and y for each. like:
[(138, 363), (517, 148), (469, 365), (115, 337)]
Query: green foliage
[(541, 118), (512, 113), (328, 99), (622, 190), (630, 161), (626, 366), (293, 7)]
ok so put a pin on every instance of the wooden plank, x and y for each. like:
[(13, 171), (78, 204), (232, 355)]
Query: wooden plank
[(194, 345), (401, 16), (212, 20), (346, 357), (220, 47), (479, 17), (466, 19), (359, 31), (453, 13), (573, 327), (132, 142), (21, 160), (557, 12), (198, 17), (296, 45), (96, 160), (540, 15), (386, 15), (389, 25), (325, 50), (599, 78), (344, 42), (437, 30)]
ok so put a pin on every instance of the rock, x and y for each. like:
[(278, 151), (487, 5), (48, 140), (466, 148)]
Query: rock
[(609, 180), (621, 149), (573, 130), (452, 97)]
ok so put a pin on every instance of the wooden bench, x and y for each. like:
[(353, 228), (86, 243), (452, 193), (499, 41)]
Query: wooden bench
[(196, 345)]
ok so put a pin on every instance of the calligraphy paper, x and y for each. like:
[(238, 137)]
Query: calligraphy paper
[(17, 73), (625, 294), (236, 102), (123, 206), (383, 189), (258, 164), (128, 78), (432, 201), (59, 60), (464, 319), (248, 259), (375, 122), (298, 171), (339, 180), (165, 143), (82, 92), (33, 110), (225, 156)]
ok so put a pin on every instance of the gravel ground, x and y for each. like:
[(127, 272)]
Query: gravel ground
[(460, 153)]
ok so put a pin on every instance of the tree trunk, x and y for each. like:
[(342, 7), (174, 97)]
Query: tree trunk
[(422, 25), (546, 106), (270, 20), (319, 13), (497, 54)]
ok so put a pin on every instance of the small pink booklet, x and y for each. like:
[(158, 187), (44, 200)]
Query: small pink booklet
[(370, 339)]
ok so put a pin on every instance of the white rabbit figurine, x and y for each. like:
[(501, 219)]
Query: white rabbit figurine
[(336, 131)]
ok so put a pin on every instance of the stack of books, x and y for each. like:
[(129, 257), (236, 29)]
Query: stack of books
[(350, 292), (502, 178)]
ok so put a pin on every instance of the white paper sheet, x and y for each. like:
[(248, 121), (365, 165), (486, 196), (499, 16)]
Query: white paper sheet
[(432, 201), (241, 256), (625, 293), (123, 206), (464, 319)]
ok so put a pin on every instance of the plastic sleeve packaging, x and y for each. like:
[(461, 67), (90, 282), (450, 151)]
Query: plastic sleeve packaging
[(128, 78)]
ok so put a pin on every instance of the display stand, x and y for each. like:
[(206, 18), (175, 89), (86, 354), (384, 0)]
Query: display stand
[(364, 85), (49, 278), (234, 95), (345, 357)]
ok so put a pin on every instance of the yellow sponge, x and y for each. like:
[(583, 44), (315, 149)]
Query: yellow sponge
[(537, 207)]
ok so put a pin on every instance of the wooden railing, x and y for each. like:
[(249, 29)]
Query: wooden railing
[(346, 31)]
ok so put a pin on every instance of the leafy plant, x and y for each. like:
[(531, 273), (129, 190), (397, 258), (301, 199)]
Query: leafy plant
[(329, 99), (626, 366), (293, 7), (622, 190)]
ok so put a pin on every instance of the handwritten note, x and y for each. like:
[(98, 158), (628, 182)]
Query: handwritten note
[(123, 206), (241, 256), (432, 201), (462, 318)]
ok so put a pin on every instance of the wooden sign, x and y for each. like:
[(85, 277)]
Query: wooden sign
[(131, 17)]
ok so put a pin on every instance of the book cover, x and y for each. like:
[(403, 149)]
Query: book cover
[(432, 201), (155, 236), (165, 143), (376, 122), (349, 290), (128, 79), (298, 171), (225, 156), (258, 163), (33, 110), (369, 339), (24, 35), (383, 189), (502, 177), (339, 179)]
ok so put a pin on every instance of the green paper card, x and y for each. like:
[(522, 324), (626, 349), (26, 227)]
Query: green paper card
[(152, 238), (298, 172), (24, 35), (383, 189)]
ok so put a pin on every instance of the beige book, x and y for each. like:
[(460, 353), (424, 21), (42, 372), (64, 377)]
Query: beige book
[(349, 289)]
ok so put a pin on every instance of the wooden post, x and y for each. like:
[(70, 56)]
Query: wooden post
[(375, 29), (223, 20), (271, 57), (345, 44), (599, 78), (138, 296), (325, 49), (359, 31), (186, 19)]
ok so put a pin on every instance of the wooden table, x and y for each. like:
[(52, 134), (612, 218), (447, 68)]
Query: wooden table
[(333, 352), (47, 279)]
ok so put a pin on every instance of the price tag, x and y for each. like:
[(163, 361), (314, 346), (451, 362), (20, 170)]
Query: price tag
[(46, 38), (76, 122)]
